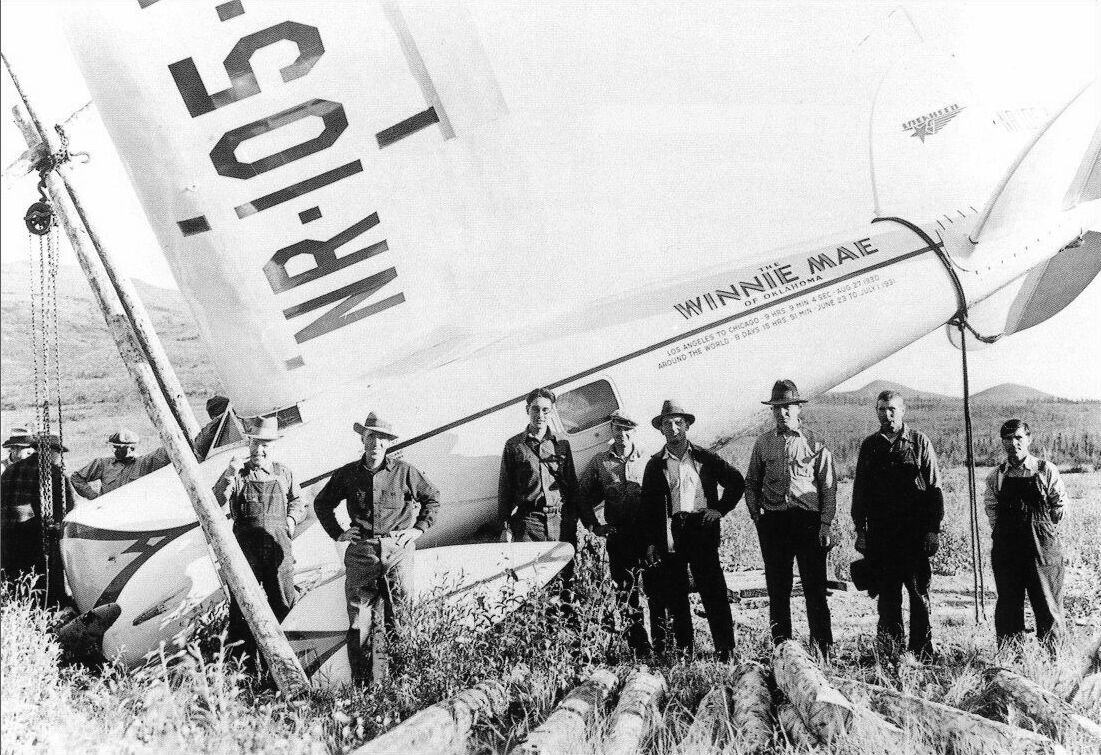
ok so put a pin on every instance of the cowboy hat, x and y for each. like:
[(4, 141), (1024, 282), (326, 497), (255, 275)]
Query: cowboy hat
[(375, 424), (784, 392), (672, 409), (266, 429)]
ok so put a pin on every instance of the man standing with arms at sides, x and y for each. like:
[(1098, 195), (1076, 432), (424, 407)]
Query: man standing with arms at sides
[(266, 505), (1024, 502), (390, 504), (682, 517), (22, 545), (791, 492), (614, 477), (122, 468), (897, 509), (538, 496)]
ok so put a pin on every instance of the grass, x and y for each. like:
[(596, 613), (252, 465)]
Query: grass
[(199, 702)]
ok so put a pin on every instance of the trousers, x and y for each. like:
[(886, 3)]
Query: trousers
[(625, 555), (902, 564), (378, 580)]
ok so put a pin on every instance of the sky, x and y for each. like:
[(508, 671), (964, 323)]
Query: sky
[(1011, 51)]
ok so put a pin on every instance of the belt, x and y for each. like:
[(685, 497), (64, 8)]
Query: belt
[(681, 517)]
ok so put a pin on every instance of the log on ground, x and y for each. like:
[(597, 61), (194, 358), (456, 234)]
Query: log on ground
[(636, 712), (710, 728), (751, 708), (445, 726), (958, 727), (796, 732), (1053, 716), (566, 727), (824, 710)]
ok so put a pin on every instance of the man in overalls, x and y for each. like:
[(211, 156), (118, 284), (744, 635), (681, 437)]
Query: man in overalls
[(538, 497), (1024, 502), (390, 505), (614, 478), (266, 505)]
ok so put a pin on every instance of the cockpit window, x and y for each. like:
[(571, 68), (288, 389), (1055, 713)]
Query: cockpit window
[(586, 407)]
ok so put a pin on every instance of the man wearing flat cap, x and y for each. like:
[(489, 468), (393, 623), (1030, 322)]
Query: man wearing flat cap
[(390, 504), (22, 523), (791, 492), (266, 505), (614, 479), (122, 468), (682, 512), (897, 509), (19, 444)]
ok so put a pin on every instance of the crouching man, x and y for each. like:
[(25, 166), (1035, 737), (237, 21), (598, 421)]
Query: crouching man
[(390, 504), (266, 505)]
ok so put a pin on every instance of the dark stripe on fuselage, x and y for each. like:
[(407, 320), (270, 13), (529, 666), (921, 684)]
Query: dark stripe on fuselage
[(652, 347)]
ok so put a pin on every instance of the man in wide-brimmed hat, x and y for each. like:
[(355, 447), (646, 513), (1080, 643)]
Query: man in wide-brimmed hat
[(21, 523), (19, 445), (121, 468), (897, 509), (614, 479), (682, 514), (390, 505), (791, 492), (266, 506)]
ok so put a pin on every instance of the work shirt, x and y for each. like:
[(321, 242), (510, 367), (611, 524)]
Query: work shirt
[(617, 481), (791, 469), (1050, 482), (20, 498), (897, 484), (683, 478), (232, 484), (113, 473), (537, 475), (396, 496)]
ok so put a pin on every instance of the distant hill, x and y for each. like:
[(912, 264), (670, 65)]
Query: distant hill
[(870, 391), (1012, 393)]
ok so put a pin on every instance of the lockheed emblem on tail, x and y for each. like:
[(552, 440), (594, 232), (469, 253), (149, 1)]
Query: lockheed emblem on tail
[(931, 123)]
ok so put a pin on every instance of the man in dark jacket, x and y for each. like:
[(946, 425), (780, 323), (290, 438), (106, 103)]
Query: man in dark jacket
[(614, 478), (390, 505), (682, 513), (538, 496), (1024, 502), (23, 548), (897, 508)]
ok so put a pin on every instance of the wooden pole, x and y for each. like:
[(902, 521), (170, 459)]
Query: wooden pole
[(443, 727), (1051, 712), (636, 713), (566, 726), (962, 729), (284, 665), (131, 305), (794, 729), (710, 728)]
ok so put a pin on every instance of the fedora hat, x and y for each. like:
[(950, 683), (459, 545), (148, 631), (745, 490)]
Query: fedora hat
[(20, 437), (672, 409), (618, 418), (123, 437), (784, 392), (860, 571), (375, 424), (266, 429)]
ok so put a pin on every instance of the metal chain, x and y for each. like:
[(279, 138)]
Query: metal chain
[(52, 252)]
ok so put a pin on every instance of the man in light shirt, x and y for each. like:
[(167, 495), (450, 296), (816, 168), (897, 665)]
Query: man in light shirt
[(1024, 502), (121, 468), (791, 494), (682, 512)]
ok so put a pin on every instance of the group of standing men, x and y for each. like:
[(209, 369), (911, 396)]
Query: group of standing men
[(663, 516)]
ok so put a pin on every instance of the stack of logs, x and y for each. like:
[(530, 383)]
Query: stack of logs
[(814, 711)]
